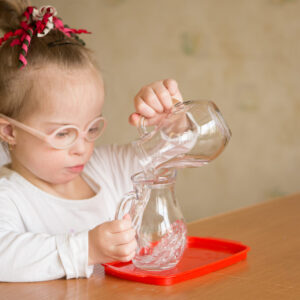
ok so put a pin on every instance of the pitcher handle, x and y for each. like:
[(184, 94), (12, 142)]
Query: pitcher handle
[(124, 204), (142, 130)]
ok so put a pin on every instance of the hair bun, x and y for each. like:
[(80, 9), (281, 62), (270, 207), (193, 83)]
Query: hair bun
[(11, 12)]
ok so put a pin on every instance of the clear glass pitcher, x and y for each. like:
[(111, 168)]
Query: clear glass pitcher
[(193, 133), (158, 221)]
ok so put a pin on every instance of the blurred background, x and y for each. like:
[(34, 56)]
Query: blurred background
[(244, 55)]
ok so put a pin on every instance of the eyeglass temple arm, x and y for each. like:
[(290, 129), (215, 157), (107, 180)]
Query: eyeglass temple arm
[(34, 132)]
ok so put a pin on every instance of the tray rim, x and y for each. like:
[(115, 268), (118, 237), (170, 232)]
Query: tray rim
[(154, 278)]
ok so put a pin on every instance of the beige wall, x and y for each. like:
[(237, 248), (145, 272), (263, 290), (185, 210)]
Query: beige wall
[(244, 55)]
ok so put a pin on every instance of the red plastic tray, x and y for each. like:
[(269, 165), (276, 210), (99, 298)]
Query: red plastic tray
[(201, 256)]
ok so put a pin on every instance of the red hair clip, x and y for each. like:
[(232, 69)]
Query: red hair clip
[(38, 22)]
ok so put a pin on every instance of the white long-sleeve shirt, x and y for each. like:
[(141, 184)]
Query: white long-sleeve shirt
[(44, 237)]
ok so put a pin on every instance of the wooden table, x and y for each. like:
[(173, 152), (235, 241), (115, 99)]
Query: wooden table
[(271, 271)]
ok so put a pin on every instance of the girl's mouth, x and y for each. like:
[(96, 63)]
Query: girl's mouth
[(76, 169)]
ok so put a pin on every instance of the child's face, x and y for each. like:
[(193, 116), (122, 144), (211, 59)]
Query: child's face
[(63, 98)]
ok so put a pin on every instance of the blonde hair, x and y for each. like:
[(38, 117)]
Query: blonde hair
[(54, 48)]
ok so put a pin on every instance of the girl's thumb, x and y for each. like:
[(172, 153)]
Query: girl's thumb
[(127, 217), (134, 119)]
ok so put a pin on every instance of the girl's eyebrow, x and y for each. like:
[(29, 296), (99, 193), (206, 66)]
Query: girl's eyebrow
[(56, 123), (65, 124)]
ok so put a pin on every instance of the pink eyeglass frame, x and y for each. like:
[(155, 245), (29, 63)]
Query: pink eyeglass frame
[(48, 137)]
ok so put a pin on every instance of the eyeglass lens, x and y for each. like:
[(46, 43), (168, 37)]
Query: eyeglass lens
[(67, 136)]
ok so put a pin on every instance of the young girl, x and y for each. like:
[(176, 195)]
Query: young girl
[(58, 195)]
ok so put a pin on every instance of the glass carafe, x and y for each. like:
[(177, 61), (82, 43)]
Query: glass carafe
[(157, 218), (193, 133)]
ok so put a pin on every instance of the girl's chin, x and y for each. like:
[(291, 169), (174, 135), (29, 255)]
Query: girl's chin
[(65, 178)]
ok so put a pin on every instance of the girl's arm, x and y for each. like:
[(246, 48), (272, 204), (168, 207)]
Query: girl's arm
[(28, 256)]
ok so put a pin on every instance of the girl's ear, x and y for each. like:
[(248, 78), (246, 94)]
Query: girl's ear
[(7, 132)]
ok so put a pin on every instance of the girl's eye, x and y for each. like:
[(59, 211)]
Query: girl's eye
[(62, 134), (93, 130)]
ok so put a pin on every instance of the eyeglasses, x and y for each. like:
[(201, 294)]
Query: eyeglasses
[(65, 136)]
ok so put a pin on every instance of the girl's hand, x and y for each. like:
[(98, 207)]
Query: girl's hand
[(112, 241), (153, 101)]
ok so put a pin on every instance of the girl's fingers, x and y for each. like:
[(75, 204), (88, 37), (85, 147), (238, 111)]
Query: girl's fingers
[(123, 238), (126, 258), (143, 108), (154, 101), (149, 96), (118, 226), (126, 249), (172, 87), (135, 120), (164, 96), (127, 217)]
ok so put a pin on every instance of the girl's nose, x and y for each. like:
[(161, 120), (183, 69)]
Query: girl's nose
[(79, 147)]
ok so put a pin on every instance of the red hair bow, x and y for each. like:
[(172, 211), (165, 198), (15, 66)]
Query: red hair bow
[(38, 22)]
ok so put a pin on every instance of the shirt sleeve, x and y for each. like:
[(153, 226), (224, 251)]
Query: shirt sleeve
[(27, 256)]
